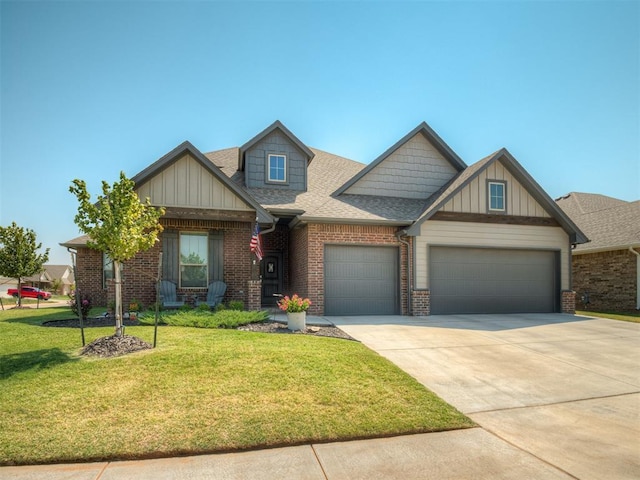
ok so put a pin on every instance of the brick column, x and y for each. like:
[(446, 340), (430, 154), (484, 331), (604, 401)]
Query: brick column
[(254, 295), (568, 301), (421, 302)]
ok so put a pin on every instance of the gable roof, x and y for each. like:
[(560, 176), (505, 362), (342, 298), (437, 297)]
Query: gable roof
[(326, 173), (186, 147), (431, 137), (610, 223), (511, 164), (277, 125)]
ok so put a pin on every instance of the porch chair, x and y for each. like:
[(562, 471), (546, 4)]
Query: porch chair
[(215, 294), (168, 295)]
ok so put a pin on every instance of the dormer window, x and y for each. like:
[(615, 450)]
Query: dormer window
[(497, 192), (277, 168)]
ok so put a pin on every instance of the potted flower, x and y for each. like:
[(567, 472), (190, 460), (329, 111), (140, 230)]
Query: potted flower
[(296, 308)]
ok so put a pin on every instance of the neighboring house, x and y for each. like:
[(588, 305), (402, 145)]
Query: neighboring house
[(414, 232), (63, 273), (606, 271), (44, 280)]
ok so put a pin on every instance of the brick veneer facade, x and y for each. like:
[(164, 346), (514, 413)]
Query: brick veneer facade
[(568, 301), (421, 302), (311, 260), (610, 279), (139, 272)]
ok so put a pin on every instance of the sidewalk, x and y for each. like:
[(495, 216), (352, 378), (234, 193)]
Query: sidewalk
[(472, 453)]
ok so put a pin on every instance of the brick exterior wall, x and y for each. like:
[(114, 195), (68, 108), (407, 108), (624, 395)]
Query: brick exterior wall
[(609, 278), (139, 272), (320, 234), (568, 301), (299, 261), (421, 302)]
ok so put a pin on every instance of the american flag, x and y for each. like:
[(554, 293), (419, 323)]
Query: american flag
[(256, 243)]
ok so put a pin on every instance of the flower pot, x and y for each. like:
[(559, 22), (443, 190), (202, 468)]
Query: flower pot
[(296, 321)]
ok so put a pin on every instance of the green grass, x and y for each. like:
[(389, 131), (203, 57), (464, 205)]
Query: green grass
[(200, 390), (626, 317)]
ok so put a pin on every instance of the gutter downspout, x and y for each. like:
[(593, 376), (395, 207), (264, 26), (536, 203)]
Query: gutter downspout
[(632, 250), (403, 233)]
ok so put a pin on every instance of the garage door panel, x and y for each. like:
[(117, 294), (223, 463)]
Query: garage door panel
[(479, 280), (361, 280)]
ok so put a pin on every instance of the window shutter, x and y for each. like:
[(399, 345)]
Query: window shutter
[(216, 256), (170, 261)]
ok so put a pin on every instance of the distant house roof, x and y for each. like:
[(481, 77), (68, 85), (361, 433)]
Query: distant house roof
[(610, 223)]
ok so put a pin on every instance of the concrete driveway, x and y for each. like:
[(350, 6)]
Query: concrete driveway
[(564, 388)]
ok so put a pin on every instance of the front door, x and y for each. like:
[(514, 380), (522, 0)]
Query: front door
[(271, 272)]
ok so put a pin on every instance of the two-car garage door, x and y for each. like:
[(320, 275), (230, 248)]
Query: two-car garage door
[(361, 280), (491, 280)]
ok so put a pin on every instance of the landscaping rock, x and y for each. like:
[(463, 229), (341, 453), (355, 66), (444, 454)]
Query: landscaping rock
[(114, 346), (271, 326)]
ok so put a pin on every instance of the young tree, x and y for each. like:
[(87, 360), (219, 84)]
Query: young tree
[(18, 254), (118, 224)]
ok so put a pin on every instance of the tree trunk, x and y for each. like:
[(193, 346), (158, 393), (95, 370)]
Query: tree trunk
[(118, 290), (19, 292)]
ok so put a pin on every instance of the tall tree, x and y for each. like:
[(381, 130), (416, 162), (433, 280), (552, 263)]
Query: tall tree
[(19, 257), (118, 224)]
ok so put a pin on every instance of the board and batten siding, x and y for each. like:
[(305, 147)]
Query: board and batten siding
[(256, 163), (186, 183), (414, 170), (489, 235), (473, 197)]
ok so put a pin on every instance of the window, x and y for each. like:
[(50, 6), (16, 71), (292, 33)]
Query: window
[(497, 195), (107, 269), (193, 260), (277, 168)]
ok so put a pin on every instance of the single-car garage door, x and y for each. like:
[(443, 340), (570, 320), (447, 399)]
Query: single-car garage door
[(489, 280), (360, 280)]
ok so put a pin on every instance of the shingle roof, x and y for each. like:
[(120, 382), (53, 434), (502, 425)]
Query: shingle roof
[(326, 173), (610, 223)]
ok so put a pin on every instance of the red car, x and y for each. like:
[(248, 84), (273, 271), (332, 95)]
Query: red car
[(29, 292)]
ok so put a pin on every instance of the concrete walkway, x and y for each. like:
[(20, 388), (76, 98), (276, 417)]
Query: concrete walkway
[(563, 388), (557, 397)]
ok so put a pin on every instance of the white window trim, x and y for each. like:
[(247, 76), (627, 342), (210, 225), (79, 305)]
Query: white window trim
[(276, 180), (504, 195)]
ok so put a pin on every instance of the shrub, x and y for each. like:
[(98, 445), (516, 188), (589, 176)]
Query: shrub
[(203, 307), (85, 305), (236, 305), (222, 319)]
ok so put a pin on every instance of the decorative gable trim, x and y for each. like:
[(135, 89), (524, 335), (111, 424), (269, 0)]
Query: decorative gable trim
[(277, 125), (520, 174), (431, 136), (186, 147)]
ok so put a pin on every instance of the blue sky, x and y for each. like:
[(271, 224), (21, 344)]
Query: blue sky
[(92, 88)]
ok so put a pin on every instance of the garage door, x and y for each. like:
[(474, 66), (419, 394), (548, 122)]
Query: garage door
[(360, 280), (485, 280)]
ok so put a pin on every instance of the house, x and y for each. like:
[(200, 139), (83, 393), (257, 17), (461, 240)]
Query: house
[(606, 271), (416, 231), (43, 280)]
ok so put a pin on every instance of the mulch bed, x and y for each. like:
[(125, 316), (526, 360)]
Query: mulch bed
[(90, 322), (114, 346), (272, 326)]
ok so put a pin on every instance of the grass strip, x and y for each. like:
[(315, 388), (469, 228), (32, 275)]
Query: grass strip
[(625, 317)]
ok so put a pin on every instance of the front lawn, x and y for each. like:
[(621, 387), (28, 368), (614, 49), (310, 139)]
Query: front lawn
[(626, 317), (200, 390)]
